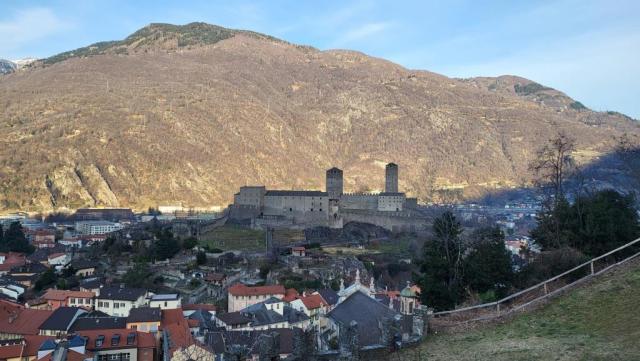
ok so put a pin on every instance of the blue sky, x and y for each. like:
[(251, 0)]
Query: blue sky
[(588, 49)]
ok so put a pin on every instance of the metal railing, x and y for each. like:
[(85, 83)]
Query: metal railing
[(540, 291)]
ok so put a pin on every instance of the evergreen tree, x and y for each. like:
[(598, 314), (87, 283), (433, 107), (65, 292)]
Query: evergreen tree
[(47, 278), (441, 267), (166, 246), (138, 276), (593, 224), (15, 240), (201, 258), (488, 266)]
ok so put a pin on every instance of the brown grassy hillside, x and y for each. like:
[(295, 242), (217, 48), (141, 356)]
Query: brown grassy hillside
[(171, 117)]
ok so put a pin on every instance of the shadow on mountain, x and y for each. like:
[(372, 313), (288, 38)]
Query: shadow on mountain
[(619, 170)]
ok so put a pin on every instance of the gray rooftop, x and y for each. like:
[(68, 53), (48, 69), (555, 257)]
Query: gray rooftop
[(281, 193)]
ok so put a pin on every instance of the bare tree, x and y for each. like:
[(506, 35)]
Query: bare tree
[(553, 165)]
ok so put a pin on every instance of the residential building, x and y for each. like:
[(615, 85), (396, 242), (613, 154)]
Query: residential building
[(179, 343), (165, 301), (17, 321), (10, 288), (71, 349), (83, 267), (97, 227), (119, 300), (314, 306), (22, 349), (240, 296), (298, 251), (272, 313), (96, 320), (120, 345), (145, 319), (64, 298), (58, 260), (60, 321), (10, 260), (44, 238), (224, 342)]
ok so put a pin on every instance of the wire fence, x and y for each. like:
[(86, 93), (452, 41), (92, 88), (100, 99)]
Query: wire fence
[(538, 292)]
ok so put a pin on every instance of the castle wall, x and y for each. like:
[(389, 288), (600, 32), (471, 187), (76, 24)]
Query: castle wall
[(391, 202), (359, 201), (393, 221), (300, 208), (252, 196)]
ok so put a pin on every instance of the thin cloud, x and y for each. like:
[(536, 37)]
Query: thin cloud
[(28, 25), (362, 32)]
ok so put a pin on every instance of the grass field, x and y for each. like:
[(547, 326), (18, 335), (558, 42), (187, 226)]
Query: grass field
[(235, 238), (598, 321)]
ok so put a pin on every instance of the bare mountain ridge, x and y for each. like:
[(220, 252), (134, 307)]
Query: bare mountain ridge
[(190, 122)]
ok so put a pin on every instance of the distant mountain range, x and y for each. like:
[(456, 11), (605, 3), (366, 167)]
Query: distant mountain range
[(190, 113), (7, 66)]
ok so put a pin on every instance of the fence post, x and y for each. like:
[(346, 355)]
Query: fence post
[(546, 291), (498, 308), (592, 271)]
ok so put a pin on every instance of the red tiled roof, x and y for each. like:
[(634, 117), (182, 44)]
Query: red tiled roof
[(142, 340), (55, 255), (15, 319), (77, 356), (313, 302), (199, 306), (242, 290), (12, 259), (61, 295), (215, 277), (33, 344), (176, 325), (10, 351), (6, 307)]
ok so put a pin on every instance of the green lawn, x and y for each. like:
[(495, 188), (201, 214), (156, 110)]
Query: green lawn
[(235, 238), (598, 321)]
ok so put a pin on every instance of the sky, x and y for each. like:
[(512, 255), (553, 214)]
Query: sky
[(588, 49)]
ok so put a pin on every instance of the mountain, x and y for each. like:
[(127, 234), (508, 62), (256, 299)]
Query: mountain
[(190, 113), (21, 63), (7, 66)]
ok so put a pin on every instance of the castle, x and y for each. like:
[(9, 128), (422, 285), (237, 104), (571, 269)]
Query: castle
[(330, 208)]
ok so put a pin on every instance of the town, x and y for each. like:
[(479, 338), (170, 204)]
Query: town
[(329, 273)]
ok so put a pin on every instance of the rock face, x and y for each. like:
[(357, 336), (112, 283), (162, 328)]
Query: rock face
[(189, 114)]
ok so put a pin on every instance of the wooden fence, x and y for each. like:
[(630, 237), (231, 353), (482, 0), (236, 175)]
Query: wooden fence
[(539, 292)]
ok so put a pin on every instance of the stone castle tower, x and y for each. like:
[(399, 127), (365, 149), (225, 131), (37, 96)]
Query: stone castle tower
[(391, 178), (334, 183)]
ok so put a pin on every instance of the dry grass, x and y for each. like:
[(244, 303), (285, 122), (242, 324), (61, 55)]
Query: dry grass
[(598, 321)]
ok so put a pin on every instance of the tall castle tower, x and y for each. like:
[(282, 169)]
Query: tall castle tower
[(334, 183), (391, 178)]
